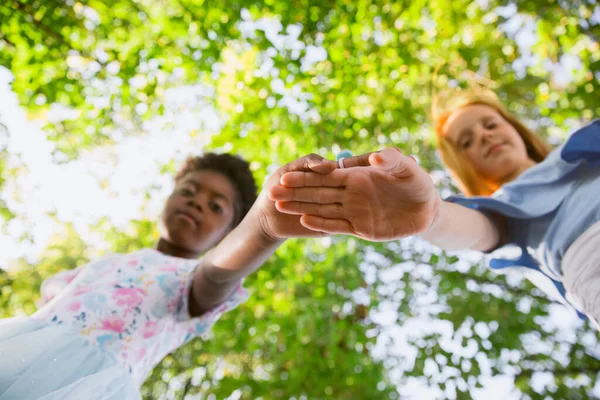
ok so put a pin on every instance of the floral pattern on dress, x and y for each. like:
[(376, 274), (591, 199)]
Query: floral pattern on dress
[(133, 306)]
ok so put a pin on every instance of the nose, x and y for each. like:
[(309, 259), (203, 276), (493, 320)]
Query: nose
[(484, 135), (199, 202)]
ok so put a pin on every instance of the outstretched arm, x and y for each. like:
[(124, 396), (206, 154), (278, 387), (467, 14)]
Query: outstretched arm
[(460, 228), (250, 244), (384, 196)]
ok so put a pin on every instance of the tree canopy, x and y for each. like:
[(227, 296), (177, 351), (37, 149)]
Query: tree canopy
[(275, 80)]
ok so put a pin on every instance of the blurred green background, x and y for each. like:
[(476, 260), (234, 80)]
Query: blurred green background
[(100, 101)]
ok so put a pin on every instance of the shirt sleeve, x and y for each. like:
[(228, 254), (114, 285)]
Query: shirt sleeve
[(54, 285), (196, 326)]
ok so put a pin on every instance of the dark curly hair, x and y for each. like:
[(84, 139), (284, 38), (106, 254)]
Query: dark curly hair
[(234, 168)]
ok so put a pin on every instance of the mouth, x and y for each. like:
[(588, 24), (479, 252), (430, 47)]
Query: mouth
[(189, 217), (494, 149)]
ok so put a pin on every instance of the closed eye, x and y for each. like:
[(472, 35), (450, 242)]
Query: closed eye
[(215, 207), (186, 192)]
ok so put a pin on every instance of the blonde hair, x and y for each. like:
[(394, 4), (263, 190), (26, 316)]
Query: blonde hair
[(461, 169)]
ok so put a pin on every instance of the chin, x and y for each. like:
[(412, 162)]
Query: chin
[(182, 241)]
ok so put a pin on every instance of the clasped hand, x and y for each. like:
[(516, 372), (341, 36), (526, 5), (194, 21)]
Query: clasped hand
[(377, 196)]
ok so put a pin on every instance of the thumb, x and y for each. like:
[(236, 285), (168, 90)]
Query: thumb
[(392, 160), (311, 162)]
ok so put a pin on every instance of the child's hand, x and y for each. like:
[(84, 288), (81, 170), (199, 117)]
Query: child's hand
[(277, 225), (378, 196)]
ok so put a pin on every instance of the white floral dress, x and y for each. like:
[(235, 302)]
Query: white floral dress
[(102, 328)]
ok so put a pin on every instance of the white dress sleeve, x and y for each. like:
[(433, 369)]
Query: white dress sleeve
[(197, 326), (54, 285)]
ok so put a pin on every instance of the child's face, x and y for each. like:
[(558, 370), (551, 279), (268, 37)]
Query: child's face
[(491, 143), (199, 212)]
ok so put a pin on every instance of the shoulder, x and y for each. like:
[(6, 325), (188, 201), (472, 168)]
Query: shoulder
[(583, 145)]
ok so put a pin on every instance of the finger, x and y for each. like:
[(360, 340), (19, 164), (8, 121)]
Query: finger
[(308, 162), (316, 163), (325, 166), (386, 159), (393, 160), (331, 226), (415, 159), (357, 161), (331, 211), (337, 178), (316, 195)]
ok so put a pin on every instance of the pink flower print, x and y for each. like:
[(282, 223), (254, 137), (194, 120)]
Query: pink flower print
[(129, 298), (114, 324), (75, 306), (141, 354), (172, 305), (169, 268), (150, 329), (82, 290), (133, 262)]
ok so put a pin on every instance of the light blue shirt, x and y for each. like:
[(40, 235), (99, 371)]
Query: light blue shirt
[(550, 205)]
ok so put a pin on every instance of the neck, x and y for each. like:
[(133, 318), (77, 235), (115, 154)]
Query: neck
[(524, 167), (169, 249)]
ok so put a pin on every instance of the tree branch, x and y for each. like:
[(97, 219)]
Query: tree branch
[(56, 36), (6, 40), (186, 8), (561, 372), (186, 388)]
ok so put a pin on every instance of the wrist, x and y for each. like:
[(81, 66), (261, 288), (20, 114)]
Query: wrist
[(256, 226), (439, 213), (241, 252)]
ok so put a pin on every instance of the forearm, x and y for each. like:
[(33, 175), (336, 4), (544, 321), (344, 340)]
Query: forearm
[(459, 228), (239, 254)]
